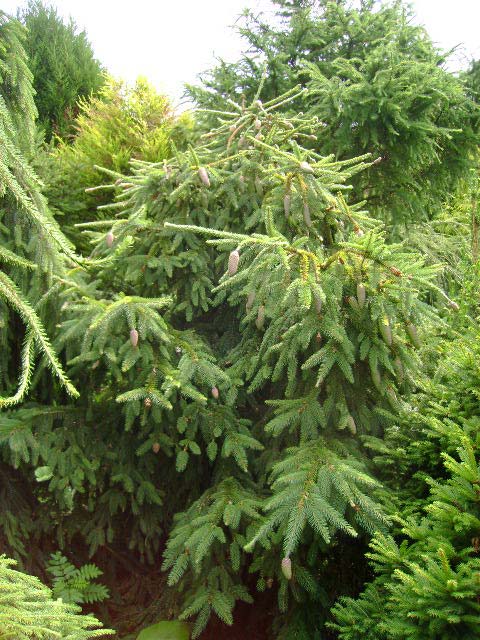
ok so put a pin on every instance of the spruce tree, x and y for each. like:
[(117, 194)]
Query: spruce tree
[(28, 610), (427, 576), (377, 83), (246, 366), (33, 248), (241, 327)]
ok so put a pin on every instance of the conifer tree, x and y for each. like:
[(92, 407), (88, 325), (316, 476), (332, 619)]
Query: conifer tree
[(27, 610), (427, 577), (31, 241), (246, 366), (62, 64), (242, 323), (378, 85)]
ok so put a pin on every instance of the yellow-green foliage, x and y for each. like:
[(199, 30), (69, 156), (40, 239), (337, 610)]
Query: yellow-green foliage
[(29, 612), (121, 123)]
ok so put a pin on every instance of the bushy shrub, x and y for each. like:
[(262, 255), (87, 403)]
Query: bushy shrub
[(119, 124)]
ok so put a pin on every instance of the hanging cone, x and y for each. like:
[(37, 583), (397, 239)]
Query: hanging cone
[(233, 260), (413, 335), (386, 330), (250, 300), (352, 427), (134, 337), (306, 215), (304, 166), (260, 321), (361, 295), (287, 568), (202, 172)]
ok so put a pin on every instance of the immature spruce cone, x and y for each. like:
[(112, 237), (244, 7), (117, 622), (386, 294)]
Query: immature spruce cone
[(287, 568), (376, 378), (134, 337), (318, 302), (392, 398), (361, 295), (399, 372), (109, 238), (287, 201), (260, 321), (147, 403), (304, 166), (453, 305), (250, 301), (306, 215), (202, 172), (352, 427), (353, 303), (233, 260), (413, 334), (386, 330), (215, 393), (155, 447)]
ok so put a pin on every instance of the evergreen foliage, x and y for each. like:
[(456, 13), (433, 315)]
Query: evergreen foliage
[(267, 380), (427, 584), (27, 610), (32, 245), (62, 64), (112, 127), (327, 340), (377, 84)]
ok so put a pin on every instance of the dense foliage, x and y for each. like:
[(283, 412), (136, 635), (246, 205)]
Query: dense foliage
[(377, 84), (62, 64), (270, 415), (118, 124), (427, 584), (29, 611)]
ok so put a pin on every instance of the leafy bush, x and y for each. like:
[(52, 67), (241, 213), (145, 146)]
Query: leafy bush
[(72, 585)]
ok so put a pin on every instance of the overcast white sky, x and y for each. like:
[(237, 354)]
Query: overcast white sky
[(171, 41)]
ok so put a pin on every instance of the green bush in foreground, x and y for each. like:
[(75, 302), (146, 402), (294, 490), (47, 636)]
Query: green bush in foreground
[(27, 610)]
